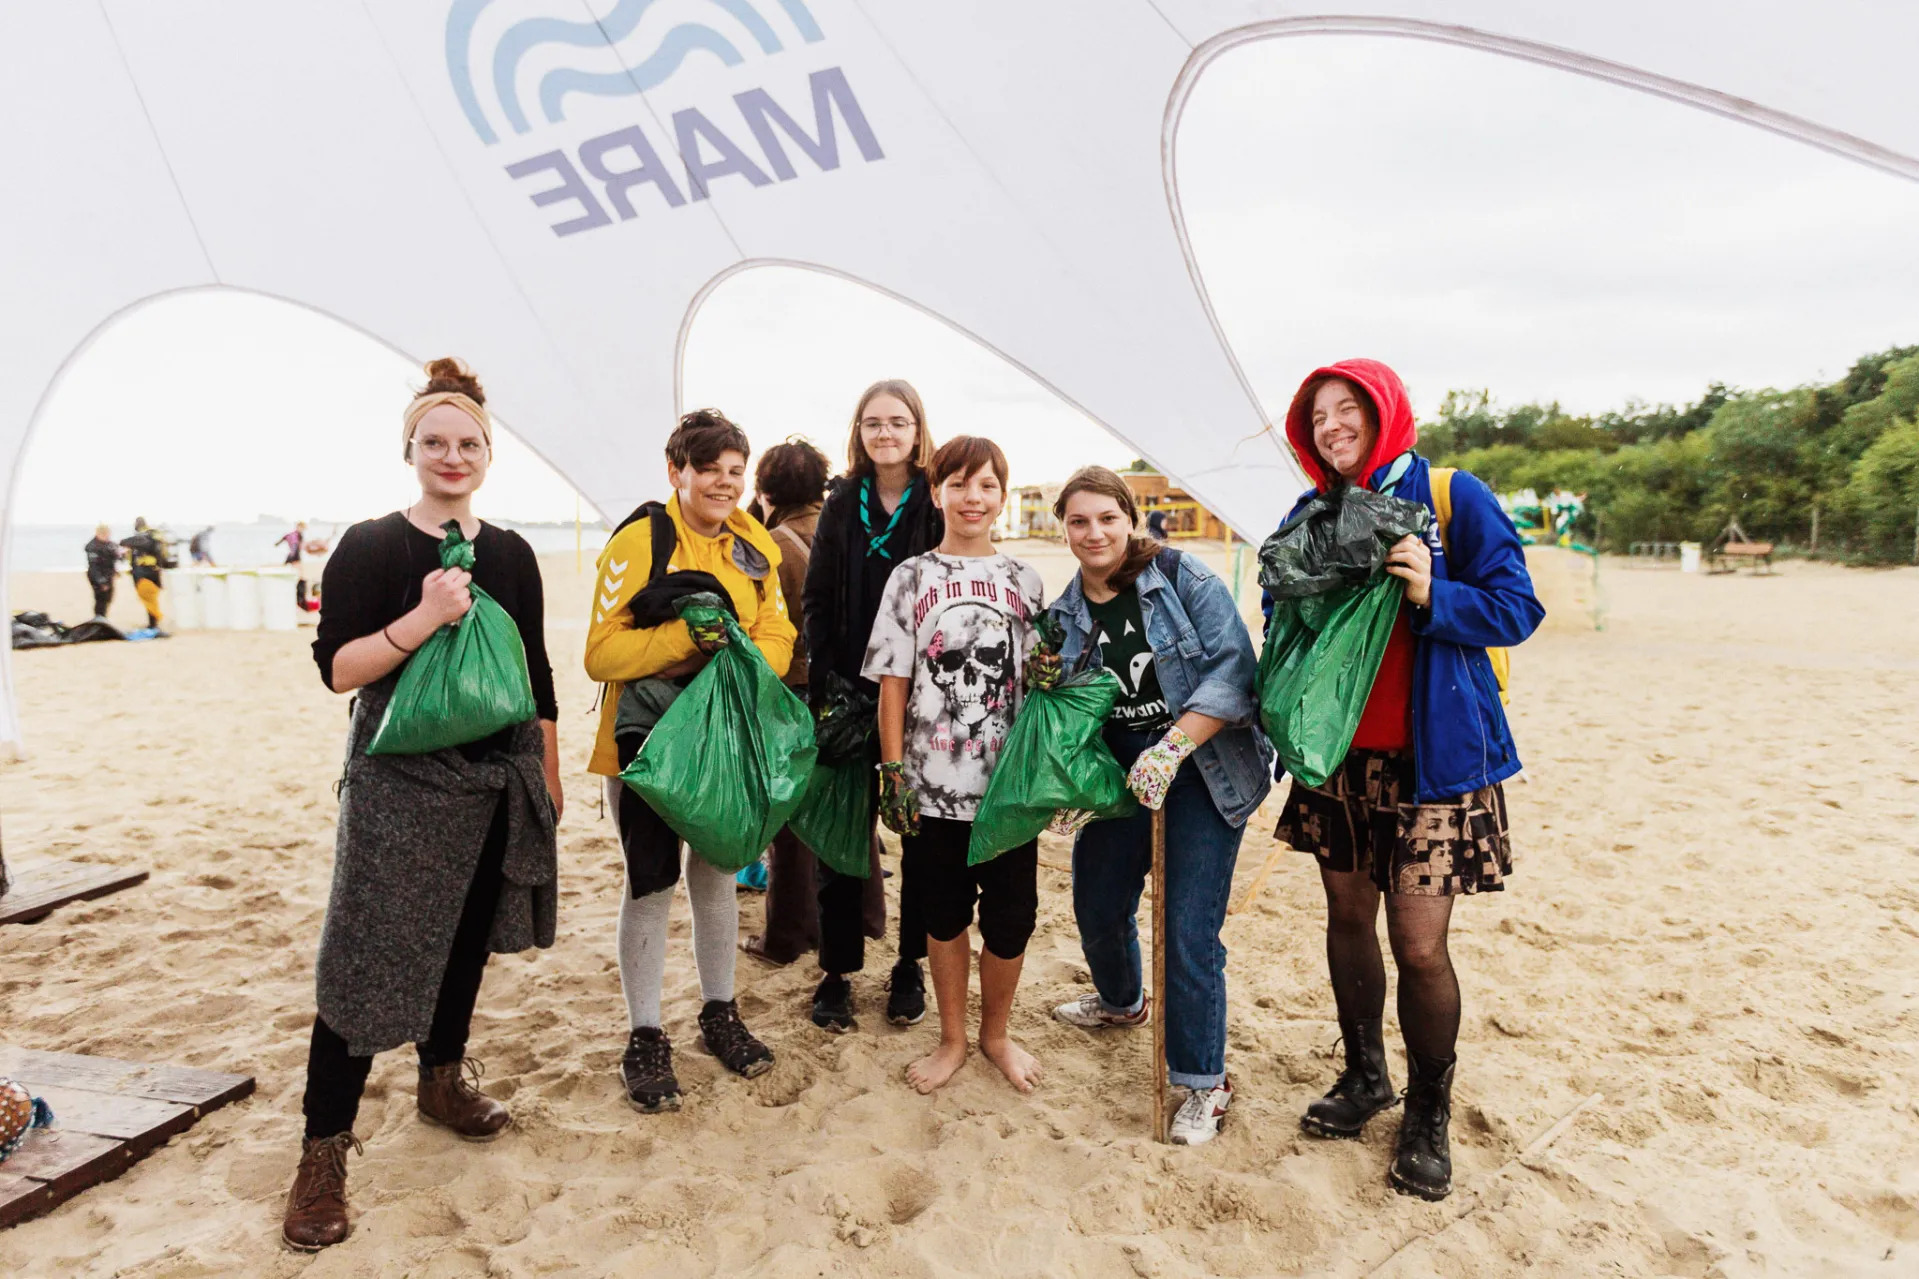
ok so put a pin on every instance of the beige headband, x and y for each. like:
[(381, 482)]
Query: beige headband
[(425, 403)]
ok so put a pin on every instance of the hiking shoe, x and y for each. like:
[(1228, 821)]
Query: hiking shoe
[(1422, 1158), (906, 994), (316, 1215), (647, 1071), (833, 1005), (1362, 1089), (1087, 1013), (450, 1096), (1201, 1114), (728, 1039)]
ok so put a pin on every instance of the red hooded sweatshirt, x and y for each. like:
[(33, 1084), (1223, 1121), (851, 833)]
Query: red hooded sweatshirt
[(1387, 722)]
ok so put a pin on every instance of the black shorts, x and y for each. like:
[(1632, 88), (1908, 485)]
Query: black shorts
[(933, 868), (1364, 819)]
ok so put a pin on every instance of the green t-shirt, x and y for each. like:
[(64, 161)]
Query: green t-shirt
[(1120, 631)]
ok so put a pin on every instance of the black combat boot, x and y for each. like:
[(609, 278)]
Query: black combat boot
[(1423, 1162), (1362, 1089)]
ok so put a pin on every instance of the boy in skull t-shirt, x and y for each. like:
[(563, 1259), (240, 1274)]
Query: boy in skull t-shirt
[(958, 627), (949, 650)]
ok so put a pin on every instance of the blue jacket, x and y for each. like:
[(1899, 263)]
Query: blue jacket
[(1482, 597), (1204, 658)]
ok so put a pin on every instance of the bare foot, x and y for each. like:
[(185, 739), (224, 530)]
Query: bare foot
[(934, 1069), (1021, 1068)]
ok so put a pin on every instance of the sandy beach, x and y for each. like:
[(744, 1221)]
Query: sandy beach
[(1713, 929)]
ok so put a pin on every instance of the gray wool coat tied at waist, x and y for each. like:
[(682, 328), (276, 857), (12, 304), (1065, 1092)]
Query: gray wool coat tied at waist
[(410, 834)]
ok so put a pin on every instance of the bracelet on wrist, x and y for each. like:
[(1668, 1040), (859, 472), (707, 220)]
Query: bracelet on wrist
[(387, 632)]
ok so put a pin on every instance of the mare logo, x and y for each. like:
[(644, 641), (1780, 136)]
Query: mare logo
[(696, 39)]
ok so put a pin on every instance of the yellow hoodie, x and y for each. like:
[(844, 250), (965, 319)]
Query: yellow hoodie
[(617, 651)]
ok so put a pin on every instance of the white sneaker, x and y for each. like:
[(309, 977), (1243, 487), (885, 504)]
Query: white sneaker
[(1086, 1013), (1200, 1116)]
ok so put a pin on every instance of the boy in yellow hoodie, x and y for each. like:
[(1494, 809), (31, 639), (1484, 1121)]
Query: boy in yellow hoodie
[(705, 541)]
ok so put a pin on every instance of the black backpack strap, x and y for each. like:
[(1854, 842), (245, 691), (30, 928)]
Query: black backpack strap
[(665, 539)]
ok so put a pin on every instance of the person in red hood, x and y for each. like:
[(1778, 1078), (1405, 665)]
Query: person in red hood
[(1414, 813)]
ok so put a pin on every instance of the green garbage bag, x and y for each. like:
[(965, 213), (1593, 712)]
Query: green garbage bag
[(730, 759), (1054, 758), (835, 818), (1316, 672), (1333, 610), (468, 681)]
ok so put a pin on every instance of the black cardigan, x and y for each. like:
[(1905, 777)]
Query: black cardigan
[(844, 586)]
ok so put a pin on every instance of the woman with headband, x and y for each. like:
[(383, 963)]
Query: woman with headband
[(440, 859)]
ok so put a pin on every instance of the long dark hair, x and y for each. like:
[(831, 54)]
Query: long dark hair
[(1104, 483)]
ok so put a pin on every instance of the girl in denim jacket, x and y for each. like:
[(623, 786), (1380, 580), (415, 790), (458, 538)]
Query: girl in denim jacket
[(1184, 727)]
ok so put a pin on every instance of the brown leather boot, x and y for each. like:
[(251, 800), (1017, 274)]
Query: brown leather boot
[(316, 1206), (448, 1098)]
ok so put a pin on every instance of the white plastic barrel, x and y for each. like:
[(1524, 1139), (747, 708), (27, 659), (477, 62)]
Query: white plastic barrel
[(243, 600), (182, 600), (279, 610), (213, 599), (1689, 557)]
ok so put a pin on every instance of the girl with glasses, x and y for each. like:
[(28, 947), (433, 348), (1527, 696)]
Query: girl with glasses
[(878, 515)]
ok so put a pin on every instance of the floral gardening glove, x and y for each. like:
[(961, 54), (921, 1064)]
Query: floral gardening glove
[(708, 637), (1153, 771), (1070, 821), (899, 805)]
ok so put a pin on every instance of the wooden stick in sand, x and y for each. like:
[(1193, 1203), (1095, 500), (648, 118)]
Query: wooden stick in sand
[(1259, 880), (1159, 974)]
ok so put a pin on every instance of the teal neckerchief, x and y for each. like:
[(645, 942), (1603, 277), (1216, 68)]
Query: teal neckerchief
[(1401, 465), (876, 542)]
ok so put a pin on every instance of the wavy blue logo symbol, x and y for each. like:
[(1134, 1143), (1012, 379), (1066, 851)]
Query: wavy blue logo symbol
[(673, 48)]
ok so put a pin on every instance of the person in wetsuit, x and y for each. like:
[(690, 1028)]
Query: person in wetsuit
[(103, 559), (148, 553)]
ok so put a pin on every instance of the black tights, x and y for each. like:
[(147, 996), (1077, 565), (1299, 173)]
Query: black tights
[(1416, 926), (336, 1078)]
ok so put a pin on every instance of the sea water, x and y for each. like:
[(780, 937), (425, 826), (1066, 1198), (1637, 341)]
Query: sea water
[(57, 548)]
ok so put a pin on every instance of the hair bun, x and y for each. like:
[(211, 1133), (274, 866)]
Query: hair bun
[(449, 374)]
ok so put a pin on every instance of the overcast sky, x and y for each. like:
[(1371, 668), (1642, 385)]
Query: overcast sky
[(1474, 221)]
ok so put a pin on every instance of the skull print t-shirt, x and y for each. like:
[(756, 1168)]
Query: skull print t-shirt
[(959, 628)]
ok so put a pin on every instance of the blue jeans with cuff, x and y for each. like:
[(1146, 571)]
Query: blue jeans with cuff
[(1111, 861)]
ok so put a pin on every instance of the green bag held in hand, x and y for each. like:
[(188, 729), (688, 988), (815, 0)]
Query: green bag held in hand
[(1333, 611), (1316, 672), (467, 682), (731, 758), (1054, 758), (835, 819)]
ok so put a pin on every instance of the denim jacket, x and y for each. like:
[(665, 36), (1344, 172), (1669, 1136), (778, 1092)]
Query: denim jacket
[(1204, 659)]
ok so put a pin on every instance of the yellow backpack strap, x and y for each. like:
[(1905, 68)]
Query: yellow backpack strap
[(1442, 484)]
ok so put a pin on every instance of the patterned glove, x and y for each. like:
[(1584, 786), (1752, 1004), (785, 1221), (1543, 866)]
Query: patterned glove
[(1153, 771), (899, 805), (708, 637), (1070, 821), (1043, 670)]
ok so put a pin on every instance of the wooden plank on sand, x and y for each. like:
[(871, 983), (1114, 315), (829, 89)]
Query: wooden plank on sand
[(108, 1113), (40, 887)]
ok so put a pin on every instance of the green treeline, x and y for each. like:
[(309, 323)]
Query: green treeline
[(1764, 458)]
